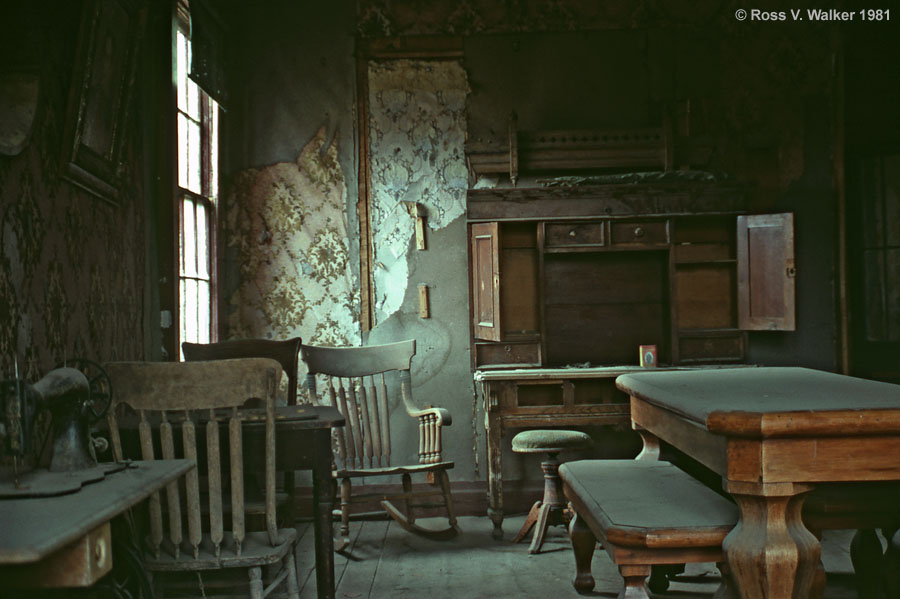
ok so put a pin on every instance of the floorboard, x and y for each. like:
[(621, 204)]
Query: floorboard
[(385, 561)]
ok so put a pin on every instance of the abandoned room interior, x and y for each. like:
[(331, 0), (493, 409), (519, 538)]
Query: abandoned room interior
[(527, 298)]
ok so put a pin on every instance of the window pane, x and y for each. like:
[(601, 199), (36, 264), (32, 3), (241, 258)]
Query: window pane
[(189, 310), (188, 240), (193, 155), (183, 151), (214, 150), (182, 49), (182, 324), (193, 98), (203, 252), (203, 311)]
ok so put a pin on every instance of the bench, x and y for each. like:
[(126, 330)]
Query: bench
[(645, 513)]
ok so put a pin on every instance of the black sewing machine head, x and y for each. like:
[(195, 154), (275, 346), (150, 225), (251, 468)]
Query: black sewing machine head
[(74, 396)]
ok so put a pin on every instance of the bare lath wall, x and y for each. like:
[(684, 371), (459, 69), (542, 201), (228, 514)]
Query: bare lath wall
[(287, 229), (417, 130)]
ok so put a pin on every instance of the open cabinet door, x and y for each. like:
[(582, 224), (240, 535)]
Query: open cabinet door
[(766, 272), (485, 241)]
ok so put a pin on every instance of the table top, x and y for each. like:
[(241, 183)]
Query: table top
[(580, 372), (771, 401), (36, 527)]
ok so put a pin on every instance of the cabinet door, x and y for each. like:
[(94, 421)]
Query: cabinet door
[(485, 240), (766, 272)]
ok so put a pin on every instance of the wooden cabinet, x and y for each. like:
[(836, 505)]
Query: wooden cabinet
[(555, 291)]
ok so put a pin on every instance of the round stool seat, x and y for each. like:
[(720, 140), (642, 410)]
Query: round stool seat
[(550, 441)]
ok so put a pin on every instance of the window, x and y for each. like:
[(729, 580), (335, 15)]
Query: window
[(196, 201)]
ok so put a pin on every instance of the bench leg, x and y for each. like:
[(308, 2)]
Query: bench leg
[(583, 543), (634, 576)]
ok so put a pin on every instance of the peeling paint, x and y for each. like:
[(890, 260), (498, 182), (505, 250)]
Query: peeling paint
[(417, 131)]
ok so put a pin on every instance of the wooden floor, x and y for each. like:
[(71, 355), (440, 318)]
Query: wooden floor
[(386, 562)]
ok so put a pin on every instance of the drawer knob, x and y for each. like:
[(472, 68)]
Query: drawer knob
[(572, 233), (639, 231)]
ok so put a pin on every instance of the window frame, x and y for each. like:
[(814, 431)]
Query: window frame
[(209, 122)]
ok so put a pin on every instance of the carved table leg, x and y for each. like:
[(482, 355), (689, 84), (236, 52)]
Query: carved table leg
[(495, 474), (770, 552), (583, 543), (634, 576)]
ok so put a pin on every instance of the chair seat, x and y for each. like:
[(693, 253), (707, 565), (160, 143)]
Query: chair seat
[(255, 551), (550, 441), (356, 472)]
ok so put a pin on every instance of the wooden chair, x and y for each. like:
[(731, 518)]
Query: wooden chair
[(177, 402), (358, 383), (287, 353)]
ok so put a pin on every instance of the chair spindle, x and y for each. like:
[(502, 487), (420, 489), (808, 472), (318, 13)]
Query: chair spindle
[(235, 442), (214, 482), (192, 484), (173, 501)]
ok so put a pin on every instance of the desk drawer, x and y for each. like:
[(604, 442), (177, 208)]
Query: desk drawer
[(513, 354), (561, 235), (632, 233)]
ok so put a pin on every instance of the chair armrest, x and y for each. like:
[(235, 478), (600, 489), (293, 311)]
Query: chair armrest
[(442, 415)]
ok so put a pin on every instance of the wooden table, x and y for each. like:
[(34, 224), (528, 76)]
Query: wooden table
[(303, 442), (773, 434), (64, 540), (543, 397)]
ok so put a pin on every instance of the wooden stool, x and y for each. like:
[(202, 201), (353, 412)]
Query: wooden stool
[(550, 509)]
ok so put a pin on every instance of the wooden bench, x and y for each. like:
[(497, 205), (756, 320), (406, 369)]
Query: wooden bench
[(645, 513)]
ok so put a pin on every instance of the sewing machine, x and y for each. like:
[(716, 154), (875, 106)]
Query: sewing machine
[(74, 396)]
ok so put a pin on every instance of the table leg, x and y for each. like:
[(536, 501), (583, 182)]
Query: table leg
[(494, 431), (770, 552), (323, 500)]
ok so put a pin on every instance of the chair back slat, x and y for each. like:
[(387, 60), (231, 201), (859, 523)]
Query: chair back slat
[(271, 523), (173, 500), (359, 397), (192, 484), (337, 432), (236, 455), (173, 396), (385, 423), (155, 504), (214, 483), (374, 419)]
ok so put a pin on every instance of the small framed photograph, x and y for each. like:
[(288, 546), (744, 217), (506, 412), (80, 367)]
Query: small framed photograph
[(648, 356)]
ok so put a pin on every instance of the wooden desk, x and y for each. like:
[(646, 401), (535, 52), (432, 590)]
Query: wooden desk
[(64, 540), (773, 434), (543, 397)]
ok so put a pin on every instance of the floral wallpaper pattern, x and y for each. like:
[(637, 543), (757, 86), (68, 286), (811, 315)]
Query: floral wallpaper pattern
[(417, 128), (286, 227), (72, 267)]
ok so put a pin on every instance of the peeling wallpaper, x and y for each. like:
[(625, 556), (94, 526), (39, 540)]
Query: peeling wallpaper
[(287, 227), (417, 128)]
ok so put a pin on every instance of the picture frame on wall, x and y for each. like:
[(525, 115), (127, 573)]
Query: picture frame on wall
[(100, 95)]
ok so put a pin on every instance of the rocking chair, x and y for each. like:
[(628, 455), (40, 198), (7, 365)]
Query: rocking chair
[(358, 380)]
